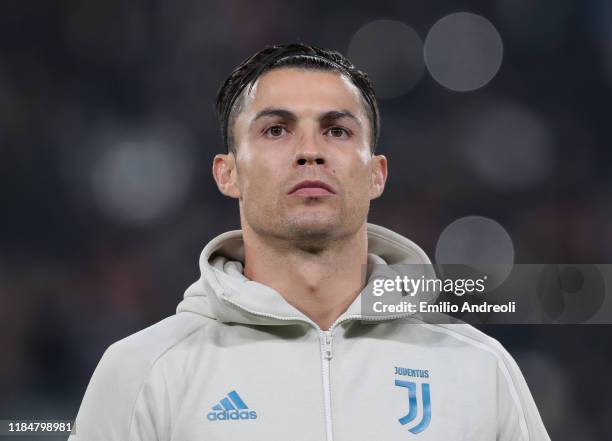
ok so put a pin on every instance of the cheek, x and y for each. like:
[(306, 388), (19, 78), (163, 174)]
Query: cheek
[(359, 170), (357, 184), (248, 168), (257, 178), (360, 163), (365, 156)]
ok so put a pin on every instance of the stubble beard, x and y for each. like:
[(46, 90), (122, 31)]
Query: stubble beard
[(312, 233)]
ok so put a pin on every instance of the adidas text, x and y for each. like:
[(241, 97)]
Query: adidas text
[(225, 415)]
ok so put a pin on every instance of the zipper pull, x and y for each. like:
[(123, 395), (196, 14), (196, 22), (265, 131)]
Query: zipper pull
[(327, 351)]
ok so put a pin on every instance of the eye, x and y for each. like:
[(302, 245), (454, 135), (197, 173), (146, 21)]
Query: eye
[(275, 131), (338, 132)]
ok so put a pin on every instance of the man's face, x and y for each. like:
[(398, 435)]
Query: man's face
[(303, 168)]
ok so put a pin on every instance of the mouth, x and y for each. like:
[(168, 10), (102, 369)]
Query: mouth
[(312, 189)]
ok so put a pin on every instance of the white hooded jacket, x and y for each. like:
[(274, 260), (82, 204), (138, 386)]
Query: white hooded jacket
[(237, 362)]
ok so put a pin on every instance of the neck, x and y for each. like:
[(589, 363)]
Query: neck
[(320, 283)]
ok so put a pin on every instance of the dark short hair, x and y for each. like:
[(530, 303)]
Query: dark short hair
[(290, 55)]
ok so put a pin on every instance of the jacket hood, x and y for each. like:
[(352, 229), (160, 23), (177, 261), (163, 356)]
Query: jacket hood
[(223, 293)]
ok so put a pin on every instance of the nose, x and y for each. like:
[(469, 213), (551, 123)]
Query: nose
[(310, 158), (309, 151)]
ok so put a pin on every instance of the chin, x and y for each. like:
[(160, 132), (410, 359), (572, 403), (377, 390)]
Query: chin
[(313, 227)]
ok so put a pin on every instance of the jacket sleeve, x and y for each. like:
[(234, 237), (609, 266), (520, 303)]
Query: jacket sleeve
[(518, 416), (117, 405)]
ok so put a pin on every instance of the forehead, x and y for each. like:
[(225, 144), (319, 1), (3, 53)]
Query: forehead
[(300, 89)]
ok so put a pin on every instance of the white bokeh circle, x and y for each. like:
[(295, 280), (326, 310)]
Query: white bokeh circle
[(463, 51), (391, 52), (478, 243)]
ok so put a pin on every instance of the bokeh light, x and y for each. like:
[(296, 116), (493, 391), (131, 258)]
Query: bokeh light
[(391, 53), (508, 146), (463, 51), (141, 177), (479, 243)]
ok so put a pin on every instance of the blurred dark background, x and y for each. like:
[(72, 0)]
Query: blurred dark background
[(495, 119)]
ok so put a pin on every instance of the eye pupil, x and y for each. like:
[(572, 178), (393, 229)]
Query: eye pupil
[(276, 131)]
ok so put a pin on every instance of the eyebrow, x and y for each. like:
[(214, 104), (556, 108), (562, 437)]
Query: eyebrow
[(281, 113), (327, 117), (334, 115)]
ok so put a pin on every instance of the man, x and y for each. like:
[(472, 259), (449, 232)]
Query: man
[(271, 342)]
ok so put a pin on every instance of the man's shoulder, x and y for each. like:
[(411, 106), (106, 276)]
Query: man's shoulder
[(123, 370), (139, 351), (442, 331)]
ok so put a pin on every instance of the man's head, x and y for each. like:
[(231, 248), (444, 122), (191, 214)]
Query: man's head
[(300, 124), (230, 98)]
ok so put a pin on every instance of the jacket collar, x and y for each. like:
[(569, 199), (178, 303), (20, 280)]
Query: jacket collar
[(225, 294)]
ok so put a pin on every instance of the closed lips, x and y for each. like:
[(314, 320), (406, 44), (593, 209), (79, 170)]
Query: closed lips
[(312, 185)]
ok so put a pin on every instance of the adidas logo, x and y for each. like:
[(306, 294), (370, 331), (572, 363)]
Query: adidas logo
[(232, 407)]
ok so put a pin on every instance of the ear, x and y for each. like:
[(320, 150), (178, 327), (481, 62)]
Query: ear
[(378, 176), (226, 174)]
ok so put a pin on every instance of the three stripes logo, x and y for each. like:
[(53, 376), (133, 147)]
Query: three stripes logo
[(412, 405), (232, 407)]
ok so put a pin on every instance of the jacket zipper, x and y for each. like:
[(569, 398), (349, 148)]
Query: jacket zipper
[(326, 356), (326, 352), (325, 338)]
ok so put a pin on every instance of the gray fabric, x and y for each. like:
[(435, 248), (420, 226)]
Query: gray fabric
[(233, 334)]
